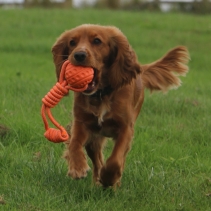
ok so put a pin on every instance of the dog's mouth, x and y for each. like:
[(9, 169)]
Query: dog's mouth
[(92, 86)]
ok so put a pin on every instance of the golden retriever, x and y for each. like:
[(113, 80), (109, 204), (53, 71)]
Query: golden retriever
[(111, 104)]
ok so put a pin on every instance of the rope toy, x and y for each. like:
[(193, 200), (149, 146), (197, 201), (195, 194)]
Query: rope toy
[(75, 78)]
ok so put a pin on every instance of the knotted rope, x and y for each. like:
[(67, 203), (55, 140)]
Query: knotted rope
[(74, 78)]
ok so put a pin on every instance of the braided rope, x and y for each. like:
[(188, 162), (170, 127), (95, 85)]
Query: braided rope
[(51, 99)]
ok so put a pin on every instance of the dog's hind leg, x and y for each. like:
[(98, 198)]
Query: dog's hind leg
[(94, 149)]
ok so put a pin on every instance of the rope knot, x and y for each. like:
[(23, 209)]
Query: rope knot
[(56, 135), (78, 78), (53, 97)]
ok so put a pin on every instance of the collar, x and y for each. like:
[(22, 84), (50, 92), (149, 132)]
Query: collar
[(100, 93)]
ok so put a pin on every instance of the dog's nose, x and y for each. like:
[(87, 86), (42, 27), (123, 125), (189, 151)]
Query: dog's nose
[(80, 56)]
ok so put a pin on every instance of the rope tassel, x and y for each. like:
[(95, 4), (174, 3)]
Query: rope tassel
[(78, 78)]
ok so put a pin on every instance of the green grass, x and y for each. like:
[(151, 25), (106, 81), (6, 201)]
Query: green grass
[(168, 167)]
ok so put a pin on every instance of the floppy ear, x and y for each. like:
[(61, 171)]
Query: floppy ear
[(124, 65), (60, 53)]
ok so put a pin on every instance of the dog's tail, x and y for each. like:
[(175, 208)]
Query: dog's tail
[(163, 73)]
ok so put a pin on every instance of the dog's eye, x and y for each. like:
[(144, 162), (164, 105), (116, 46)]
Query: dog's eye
[(72, 43), (97, 41)]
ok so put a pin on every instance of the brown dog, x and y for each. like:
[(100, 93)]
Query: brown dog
[(110, 105)]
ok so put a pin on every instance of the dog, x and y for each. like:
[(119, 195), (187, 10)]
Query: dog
[(111, 104)]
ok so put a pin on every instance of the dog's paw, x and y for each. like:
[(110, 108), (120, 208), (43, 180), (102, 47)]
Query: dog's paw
[(77, 164), (78, 172), (110, 176)]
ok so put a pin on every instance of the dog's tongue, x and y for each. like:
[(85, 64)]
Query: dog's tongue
[(91, 86)]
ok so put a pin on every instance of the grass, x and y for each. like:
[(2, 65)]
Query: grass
[(168, 167)]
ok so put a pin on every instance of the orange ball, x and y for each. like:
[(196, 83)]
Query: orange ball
[(78, 76)]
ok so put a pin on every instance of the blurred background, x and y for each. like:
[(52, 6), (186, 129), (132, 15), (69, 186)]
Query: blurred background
[(193, 6)]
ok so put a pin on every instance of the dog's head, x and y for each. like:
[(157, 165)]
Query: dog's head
[(104, 48)]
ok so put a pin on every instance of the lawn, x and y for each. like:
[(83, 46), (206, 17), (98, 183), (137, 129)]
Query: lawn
[(169, 166)]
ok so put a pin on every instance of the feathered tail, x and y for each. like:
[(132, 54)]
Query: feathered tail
[(163, 73)]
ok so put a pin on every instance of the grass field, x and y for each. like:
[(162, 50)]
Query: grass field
[(169, 166)]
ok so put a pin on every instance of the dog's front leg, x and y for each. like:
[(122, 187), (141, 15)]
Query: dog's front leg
[(76, 159), (111, 172)]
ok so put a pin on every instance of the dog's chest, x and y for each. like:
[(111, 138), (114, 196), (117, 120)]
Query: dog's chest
[(101, 112), (102, 122), (104, 126), (100, 109)]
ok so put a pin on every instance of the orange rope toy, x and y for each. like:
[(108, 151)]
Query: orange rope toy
[(74, 78)]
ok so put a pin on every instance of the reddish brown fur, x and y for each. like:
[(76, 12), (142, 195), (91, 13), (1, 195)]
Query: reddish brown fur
[(114, 113)]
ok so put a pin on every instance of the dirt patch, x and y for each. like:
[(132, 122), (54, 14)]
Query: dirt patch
[(3, 130), (2, 201)]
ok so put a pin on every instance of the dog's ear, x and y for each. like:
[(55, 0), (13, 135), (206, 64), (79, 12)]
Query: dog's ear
[(123, 61), (60, 52)]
